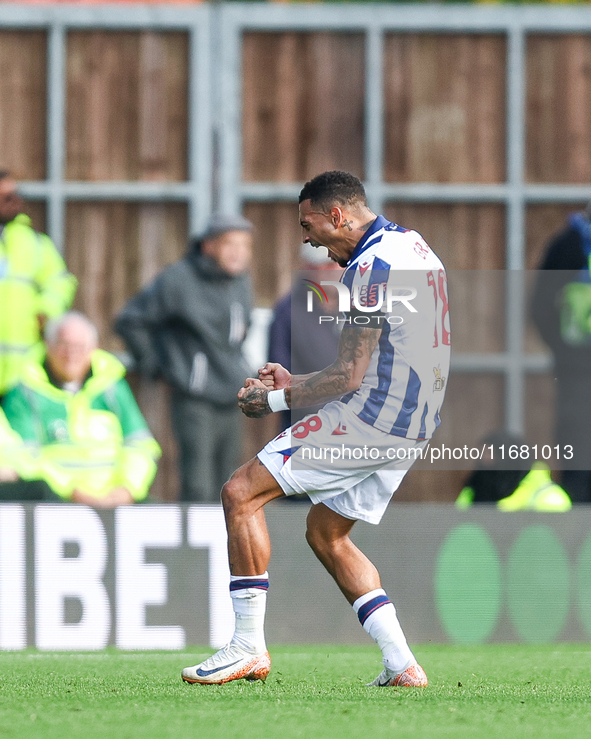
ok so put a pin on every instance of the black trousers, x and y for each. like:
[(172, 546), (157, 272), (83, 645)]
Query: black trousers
[(209, 444)]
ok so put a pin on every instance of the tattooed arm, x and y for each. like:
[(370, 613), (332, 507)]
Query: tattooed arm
[(356, 346)]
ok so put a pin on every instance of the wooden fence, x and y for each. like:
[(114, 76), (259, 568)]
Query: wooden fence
[(303, 112)]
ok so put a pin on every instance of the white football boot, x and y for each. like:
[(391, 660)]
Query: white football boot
[(230, 663), (413, 677)]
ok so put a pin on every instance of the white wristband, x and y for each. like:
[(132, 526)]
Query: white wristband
[(276, 400)]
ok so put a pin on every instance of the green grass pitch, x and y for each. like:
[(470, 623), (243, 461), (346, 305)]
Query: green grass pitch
[(508, 691)]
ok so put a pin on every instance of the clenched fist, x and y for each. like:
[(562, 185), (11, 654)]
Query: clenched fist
[(274, 376), (252, 398)]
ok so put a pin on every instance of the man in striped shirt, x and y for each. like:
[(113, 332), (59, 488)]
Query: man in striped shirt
[(383, 396)]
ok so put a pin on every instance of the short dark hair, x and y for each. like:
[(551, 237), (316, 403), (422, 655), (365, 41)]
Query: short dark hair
[(329, 188)]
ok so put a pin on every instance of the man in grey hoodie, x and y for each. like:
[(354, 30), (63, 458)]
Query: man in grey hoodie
[(187, 327)]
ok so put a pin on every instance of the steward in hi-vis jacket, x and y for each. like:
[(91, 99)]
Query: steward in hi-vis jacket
[(91, 441), (34, 283)]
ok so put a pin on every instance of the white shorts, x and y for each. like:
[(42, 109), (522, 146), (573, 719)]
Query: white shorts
[(339, 460)]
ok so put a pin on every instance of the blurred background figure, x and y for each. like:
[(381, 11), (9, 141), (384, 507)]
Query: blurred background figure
[(77, 413), (297, 340), (561, 311), (513, 484), (34, 283), (188, 327)]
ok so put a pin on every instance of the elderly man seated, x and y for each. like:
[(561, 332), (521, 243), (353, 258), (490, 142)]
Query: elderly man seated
[(77, 413)]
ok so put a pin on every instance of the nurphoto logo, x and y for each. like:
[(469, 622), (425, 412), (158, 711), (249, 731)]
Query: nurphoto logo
[(375, 297)]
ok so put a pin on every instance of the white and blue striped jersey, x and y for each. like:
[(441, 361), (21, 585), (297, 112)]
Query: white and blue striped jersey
[(404, 385)]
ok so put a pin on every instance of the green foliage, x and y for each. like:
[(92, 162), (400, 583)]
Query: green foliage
[(493, 691)]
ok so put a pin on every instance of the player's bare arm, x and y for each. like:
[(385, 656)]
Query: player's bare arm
[(274, 376), (343, 375), (356, 346)]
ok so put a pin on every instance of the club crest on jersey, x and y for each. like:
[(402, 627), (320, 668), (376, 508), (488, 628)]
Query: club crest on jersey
[(439, 383)]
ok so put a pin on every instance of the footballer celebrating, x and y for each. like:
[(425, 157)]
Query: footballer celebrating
[(383, 393)]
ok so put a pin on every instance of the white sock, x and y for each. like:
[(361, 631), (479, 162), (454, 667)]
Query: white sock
[(249, 599), (378, 617)]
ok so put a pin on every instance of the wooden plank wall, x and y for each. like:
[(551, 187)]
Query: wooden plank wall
[(445, 108), (23, 103), (303, 100), (559, 109), (303, 105), (127, 120), (127, 106)]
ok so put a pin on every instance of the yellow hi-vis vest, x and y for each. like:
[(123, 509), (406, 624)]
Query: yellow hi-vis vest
[(536, 492), (92, 440), (33, 281), (11, 446), (25, 461)]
